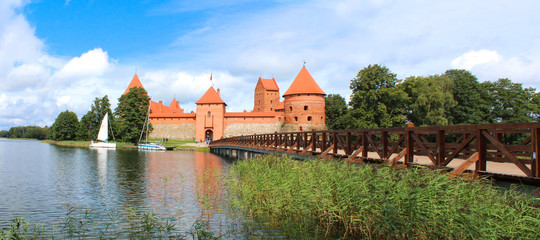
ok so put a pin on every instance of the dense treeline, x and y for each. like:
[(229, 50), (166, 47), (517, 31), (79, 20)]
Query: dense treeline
[(32, 132), (379, 100), (126, 122)]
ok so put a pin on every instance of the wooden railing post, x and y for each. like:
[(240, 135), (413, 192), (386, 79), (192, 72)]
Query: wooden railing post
[(335, 140), (348, 149), (384, 140), (365, 144), (535, 138), (441, 141), (323, 142), (481, 149), (409, 144), (314, 139)]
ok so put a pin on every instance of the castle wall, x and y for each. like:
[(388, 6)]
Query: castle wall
[(302, 127), (238, 129), (180, 131)]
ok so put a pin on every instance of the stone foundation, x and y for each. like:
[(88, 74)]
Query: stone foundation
[(182, 131), (238, 129)]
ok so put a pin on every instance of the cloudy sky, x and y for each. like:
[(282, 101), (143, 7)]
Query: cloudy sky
[(58, 55)]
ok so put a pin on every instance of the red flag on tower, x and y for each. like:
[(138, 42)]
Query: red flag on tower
[(210, 76)]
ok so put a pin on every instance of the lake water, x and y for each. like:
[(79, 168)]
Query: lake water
[(38, 182)]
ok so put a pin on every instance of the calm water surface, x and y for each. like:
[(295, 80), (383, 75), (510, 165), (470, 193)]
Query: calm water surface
[(38, 181)]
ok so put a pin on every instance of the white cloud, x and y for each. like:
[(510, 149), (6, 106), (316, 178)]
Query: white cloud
[(92, 63), (24, 76), (472, 58), (336, 38), (63, 101)]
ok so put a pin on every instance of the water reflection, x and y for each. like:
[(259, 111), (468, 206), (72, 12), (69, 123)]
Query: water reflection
[(172, 182), (37, 180)]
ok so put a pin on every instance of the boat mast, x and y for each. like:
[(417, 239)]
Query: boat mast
[(145, 120)]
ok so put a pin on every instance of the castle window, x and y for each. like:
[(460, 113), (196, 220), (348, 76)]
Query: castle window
[(209, 114), (290, 108), (296, 119), (305, 108), (270, 101), (309, 118), (271, 109)]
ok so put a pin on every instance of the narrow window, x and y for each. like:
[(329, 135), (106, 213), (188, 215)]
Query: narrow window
[(270, 101), (305, 108), (296, 119), (290, 108), (209, 114), (309, 118)]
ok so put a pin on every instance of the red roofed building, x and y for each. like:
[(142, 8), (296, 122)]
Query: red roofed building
[(302, 109)]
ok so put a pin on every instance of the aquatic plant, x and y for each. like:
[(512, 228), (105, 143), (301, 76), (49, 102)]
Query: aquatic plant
[(332, 199)]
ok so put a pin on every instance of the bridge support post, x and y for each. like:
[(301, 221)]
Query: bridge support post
[(535, 165)]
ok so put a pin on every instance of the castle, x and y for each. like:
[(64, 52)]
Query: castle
[(302, 109)]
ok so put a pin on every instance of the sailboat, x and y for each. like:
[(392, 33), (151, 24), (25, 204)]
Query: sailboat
[(149, 145), (102, 140)]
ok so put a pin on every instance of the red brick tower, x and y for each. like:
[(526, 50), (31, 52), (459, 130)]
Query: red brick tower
[(304, 104), (266, 95), (210, 116)]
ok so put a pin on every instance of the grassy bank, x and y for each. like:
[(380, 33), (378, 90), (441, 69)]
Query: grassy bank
[(178, 144), (329, 199), (85, 144)]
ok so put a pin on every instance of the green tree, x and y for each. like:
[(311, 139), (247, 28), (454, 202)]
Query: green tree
[(4, 134), (376, 101), (471, 99), (65, 126), (429, 100), (91, 121), (511, 103), (336, 110), (131, 111)]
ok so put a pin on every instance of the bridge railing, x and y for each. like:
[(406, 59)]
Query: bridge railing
[(512, 147)]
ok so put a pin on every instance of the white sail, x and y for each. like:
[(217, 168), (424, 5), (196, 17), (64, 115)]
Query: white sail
[(103, 134)]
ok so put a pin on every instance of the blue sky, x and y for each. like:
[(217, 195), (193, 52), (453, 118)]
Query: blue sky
[(58, 55)]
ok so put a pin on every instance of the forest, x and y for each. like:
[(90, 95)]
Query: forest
[(380, 100)]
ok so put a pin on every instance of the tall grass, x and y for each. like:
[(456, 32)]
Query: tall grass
[(329, 199)]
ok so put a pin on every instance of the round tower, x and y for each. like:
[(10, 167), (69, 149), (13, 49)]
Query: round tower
[(304, 104)]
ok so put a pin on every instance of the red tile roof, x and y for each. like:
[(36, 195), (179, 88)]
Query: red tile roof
[(135, 82), (175, 105), (304, 84), (211, 96), (173, 115), (269, 84)]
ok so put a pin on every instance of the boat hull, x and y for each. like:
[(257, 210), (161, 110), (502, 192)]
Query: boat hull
[(103, 145), (151, 146)]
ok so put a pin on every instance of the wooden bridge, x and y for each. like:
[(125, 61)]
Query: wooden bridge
[(503, 150)]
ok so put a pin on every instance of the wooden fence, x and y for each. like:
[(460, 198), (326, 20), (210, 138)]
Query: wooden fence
[(510, 149)]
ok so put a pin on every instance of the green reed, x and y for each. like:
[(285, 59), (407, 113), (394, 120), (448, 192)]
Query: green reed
[(333, 199)]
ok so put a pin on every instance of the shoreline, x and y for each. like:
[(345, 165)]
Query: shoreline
[(86, 144)]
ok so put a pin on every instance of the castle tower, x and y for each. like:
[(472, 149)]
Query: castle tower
[(135, 82), (304, 104), (210, 116), (266, 95)]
